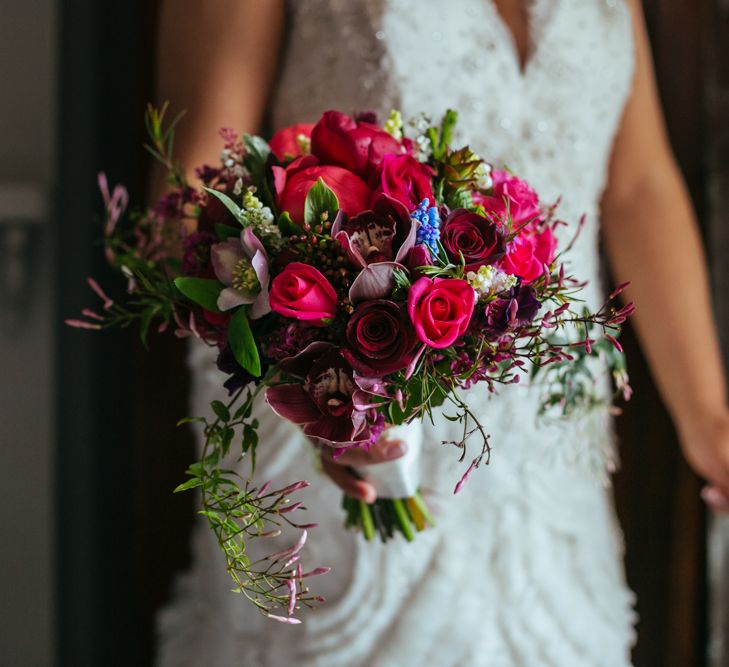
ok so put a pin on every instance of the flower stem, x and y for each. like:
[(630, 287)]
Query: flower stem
[(365, 515), (403, 518)]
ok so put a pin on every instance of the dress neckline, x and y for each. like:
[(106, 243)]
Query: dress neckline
[(539, 18)]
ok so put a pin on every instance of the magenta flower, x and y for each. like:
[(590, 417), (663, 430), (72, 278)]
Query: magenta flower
[(242, 266), (322, 402)]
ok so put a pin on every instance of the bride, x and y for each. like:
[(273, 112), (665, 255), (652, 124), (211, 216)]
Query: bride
[(524, 567)]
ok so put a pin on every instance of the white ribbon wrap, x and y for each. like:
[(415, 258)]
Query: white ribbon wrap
[(399, 478)]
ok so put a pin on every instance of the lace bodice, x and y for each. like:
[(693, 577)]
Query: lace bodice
[(523, 568)]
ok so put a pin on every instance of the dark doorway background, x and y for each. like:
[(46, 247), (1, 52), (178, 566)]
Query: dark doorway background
[(122, 535)]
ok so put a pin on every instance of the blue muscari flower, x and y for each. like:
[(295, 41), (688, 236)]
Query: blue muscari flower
[(429, 229)]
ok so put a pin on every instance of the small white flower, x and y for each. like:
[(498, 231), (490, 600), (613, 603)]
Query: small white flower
[(489, 281)]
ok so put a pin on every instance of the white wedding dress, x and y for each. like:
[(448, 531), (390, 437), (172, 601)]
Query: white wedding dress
[(524, 567)]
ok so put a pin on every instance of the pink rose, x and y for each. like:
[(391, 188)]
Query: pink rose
[(529, 253), (303, 293), (522, 201), (440, 309), (403, 178), (293, 183), (286, 144), (339, 139), (479, 239)]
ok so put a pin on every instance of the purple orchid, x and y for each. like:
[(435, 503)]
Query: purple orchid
[(384, 234), (242, 266), (323, 402)]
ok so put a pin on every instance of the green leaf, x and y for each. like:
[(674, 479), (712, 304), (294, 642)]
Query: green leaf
[(202, 291), (320, 199), (227, 202), (242, 342), (226, 232), (287, 225), (446, 133), (189, 484), (257, 152), (144, 323), (220, 410)]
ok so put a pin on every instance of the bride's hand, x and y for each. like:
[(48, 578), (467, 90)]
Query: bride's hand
[(705, 443), (344, 477)]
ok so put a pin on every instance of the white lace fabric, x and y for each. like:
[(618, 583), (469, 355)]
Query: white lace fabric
[(524, 568)]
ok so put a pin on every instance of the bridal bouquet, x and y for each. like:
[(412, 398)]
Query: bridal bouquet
[(360, 275)]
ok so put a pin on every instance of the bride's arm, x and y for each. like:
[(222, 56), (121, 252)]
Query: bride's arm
[(217, 59), (653, 241)]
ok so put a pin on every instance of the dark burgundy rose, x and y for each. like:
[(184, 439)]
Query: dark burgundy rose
[(405, 179), (478, 239), (384, 234), (379, 338), (517, 309), (322, 401), (338, 139)]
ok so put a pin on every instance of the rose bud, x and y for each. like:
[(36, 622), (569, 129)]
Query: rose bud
[(301, 292), (293, 183), (478, 239), (357, 146), (379, 338), (288, 143), (405, 179), (440, 309)]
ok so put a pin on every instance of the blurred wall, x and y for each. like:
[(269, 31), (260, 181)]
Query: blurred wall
[(27, 101)]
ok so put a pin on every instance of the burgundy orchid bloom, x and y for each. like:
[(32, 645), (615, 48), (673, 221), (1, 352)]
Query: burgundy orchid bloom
[(385, 233), (322, 403), (242, 266)]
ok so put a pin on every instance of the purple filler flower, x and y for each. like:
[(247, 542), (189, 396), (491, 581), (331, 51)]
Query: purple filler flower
[(517, 309), (242, 266)]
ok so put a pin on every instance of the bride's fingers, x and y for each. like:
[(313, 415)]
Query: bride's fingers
[(346, 480), (716, 499), (384, 450)]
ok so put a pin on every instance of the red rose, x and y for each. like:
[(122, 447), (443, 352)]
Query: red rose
[(405, 179), (529, 253), (522, 201), (357, 146), (294, 182), (478, 239), (303, 293), (379, 338), (286, 144), (440, 309)]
